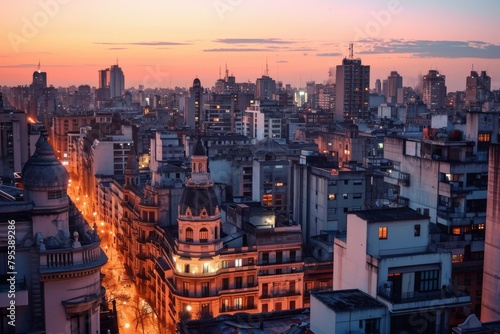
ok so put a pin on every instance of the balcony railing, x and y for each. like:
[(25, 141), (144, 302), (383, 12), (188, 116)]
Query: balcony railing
[(55, 260), (236, 308), (415, 296)]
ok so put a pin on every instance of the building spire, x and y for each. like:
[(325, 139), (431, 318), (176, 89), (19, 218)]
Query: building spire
[(38, 66), (351, 51), (267, 68)]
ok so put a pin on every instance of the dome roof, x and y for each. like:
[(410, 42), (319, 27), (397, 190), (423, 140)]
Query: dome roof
[(197, 199), (43, 170)]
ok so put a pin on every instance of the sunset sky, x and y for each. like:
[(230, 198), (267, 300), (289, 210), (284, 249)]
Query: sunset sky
[(170, 42)]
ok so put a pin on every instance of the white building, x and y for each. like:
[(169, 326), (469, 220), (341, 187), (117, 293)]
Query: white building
[(347, 311), (386, 255)]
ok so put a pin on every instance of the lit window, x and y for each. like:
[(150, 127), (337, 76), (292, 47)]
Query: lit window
[(332, 197), (279, 184), (237, 303), (456, 230), (267, 199), (238, 263), (189, 234), (382, 232)]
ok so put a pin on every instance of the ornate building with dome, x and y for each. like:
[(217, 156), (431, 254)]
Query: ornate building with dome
[(57, 256)]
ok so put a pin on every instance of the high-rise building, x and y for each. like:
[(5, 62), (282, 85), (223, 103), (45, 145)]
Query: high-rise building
[(353, 89), (378, 87), (434, 90), (478, 88), (192, 114), (394, 82), (265, 88), (104, 78), (116, 81)]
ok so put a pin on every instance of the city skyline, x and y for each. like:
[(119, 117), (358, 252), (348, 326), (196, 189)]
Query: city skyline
[(163, 44)]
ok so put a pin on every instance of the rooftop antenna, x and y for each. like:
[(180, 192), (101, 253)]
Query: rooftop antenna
[(267, 68), (227, 73), (351, 51), (39, 66), (116, 61), (220, 75)]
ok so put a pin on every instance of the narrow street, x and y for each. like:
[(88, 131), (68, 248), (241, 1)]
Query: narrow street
[(134, 314)]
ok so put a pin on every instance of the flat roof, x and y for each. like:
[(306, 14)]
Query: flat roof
[(347, 300), (388, 215)]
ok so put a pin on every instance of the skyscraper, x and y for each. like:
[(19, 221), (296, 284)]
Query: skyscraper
[(192, 113), (265, 88), (434, 90), (477, 88), (353, 89), (394, 82), (116, 81)]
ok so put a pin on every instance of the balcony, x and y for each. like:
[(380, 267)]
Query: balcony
[(72, 259), (449, 296), (21, 292), (396, 177), (280, 293), (237, 290), (237, 308)]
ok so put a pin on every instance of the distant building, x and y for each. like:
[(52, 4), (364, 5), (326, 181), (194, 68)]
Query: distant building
[(352, 90), (394, 82), (14, 150), (434, 90), (265, 87), (477, 89), (116, 81)]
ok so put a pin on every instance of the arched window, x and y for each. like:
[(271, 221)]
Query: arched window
[(199, 167), (203, 235), (189, 234)]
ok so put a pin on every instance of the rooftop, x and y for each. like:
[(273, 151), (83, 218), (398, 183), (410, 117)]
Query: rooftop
[(389, 215), (347, 300)]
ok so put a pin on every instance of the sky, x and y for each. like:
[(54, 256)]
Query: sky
[(168, 43)]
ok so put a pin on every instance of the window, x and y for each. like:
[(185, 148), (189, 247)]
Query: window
[(186, 268), (205, 310), (225, 283), (250, 280), (237, 303), (279, 271), (224, 264), (332, 197), (416, 231), (205, 289), (357, 182), (189, 234), (356, 195), (225, 305), (265, 258), (278, 306), (279, 257), (346, 182), (206, 267), (185, 289), (293, 255), (292, 304), (265, 308), (238, 263), (203, 235), (267, 199), (346, 196), (250, 302), (250, 261), (372, 326), (382, 232), (238, 282), (265, 289), (55, 194), (80, 323), (291, 286), (427, 280)]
